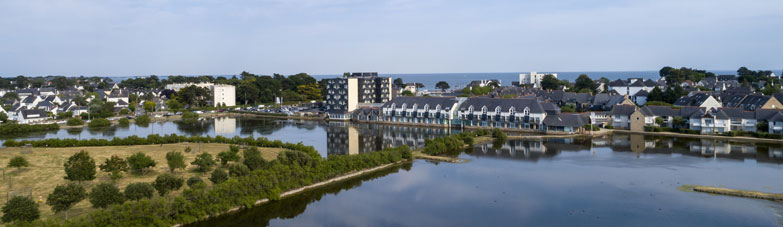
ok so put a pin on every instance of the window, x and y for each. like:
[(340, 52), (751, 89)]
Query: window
[(526, 111)]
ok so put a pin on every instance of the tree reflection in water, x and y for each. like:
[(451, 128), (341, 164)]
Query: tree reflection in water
[(292, 206)]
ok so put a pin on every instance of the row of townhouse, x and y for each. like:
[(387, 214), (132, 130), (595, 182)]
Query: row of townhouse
[(527, 114), (706, 120)]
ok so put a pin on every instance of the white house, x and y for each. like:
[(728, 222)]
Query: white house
[(533, 79), (32, 116)]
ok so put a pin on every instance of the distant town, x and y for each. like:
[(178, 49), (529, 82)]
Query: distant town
[(683, 100)]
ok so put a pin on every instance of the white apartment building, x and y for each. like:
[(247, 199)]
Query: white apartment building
[(533, 78)]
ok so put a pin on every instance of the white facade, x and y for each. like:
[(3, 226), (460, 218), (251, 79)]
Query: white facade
[(224, 95), (533, 78)]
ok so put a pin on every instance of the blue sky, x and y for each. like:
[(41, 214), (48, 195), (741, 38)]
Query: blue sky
[(198, 37)]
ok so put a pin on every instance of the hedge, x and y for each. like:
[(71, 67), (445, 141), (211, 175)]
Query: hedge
[(289, 171), (11, 128), (165, 139)]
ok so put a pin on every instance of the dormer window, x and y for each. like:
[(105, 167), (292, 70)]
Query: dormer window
[(484, 110), (526, 111)]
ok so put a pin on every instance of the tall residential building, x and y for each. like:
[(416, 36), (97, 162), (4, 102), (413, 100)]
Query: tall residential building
[(533, 79), (346, 94)]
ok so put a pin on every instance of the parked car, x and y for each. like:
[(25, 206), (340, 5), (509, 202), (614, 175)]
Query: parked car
[(130, 117), (198, 112)]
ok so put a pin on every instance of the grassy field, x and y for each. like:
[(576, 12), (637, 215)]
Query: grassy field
[(46, 169)]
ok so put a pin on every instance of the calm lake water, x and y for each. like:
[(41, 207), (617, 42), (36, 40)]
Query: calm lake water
[(626, 180)]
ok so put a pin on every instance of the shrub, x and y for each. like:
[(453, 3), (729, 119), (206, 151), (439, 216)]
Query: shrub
[(12, 128), (143, 120), (74, 122), (166, 183), (238, 169), (204, 161), (140, 161), (114, 166), (189, 116), (139, 190), (218, 176), (194, 180), (124, 122), (99, 122), (188, 149), (105, 194), (176, 160), (124, 111), (498, 134), (20, 208), (228, 156), (443, 145), (18, 162), (253, 158)]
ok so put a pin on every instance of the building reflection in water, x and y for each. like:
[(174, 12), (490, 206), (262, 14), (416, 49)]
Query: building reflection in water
[(532, 150), (225, 125), (347, 138)]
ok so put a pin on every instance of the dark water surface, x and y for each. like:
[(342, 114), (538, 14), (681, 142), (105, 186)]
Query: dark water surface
[(619, 180)]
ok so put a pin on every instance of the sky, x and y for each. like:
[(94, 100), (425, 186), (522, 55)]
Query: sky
[(220, 37)]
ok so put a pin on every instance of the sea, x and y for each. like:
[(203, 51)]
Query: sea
[(458, 80)]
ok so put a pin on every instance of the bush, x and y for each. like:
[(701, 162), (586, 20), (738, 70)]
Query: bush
[(189, 116), (20, 208), (204, 161), (65, 196), (166, 183), (124, 111), (74, 122), (105, 194), (442, 145), (176, 160), (227, 156), (253, 158), (18, 162), (218, 176), (194, 180), (608, 127), (143, 120), (99, 122), (238, 169), (124, 122), (12, 128), (188, 149), (498, 134), (140, 161), (114, 166), (139, 190)]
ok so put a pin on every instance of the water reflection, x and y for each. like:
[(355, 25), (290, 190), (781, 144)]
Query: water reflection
[(345, 138), (533, 150), (293, 206)]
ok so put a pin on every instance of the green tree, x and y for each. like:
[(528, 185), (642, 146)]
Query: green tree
[(80, 167), (99, 122), (140, 161), (204, 161), (227, 156), (114, 166), (149, 106), (218, 176), (549, 82), (176, 160), (679, 122), (238, 169), (20, 208), (310, 91), (398, 83), (3, 117), (105, 194), (655, 95), (658, 121), (139, 190), (18, 162), (407, 93), (194, 180), (65, 196), (762, 126), (173, 104), (442, 85), (584, 82), (253, 158), (166, 183)]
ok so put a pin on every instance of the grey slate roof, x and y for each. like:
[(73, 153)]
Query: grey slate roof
[(623, 109), (695, 100), (642, 93), (505, 104), (29, 99), (445, 102), (27, 114), (737, 113), (618, 83), (650, 83), (565, 120)]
